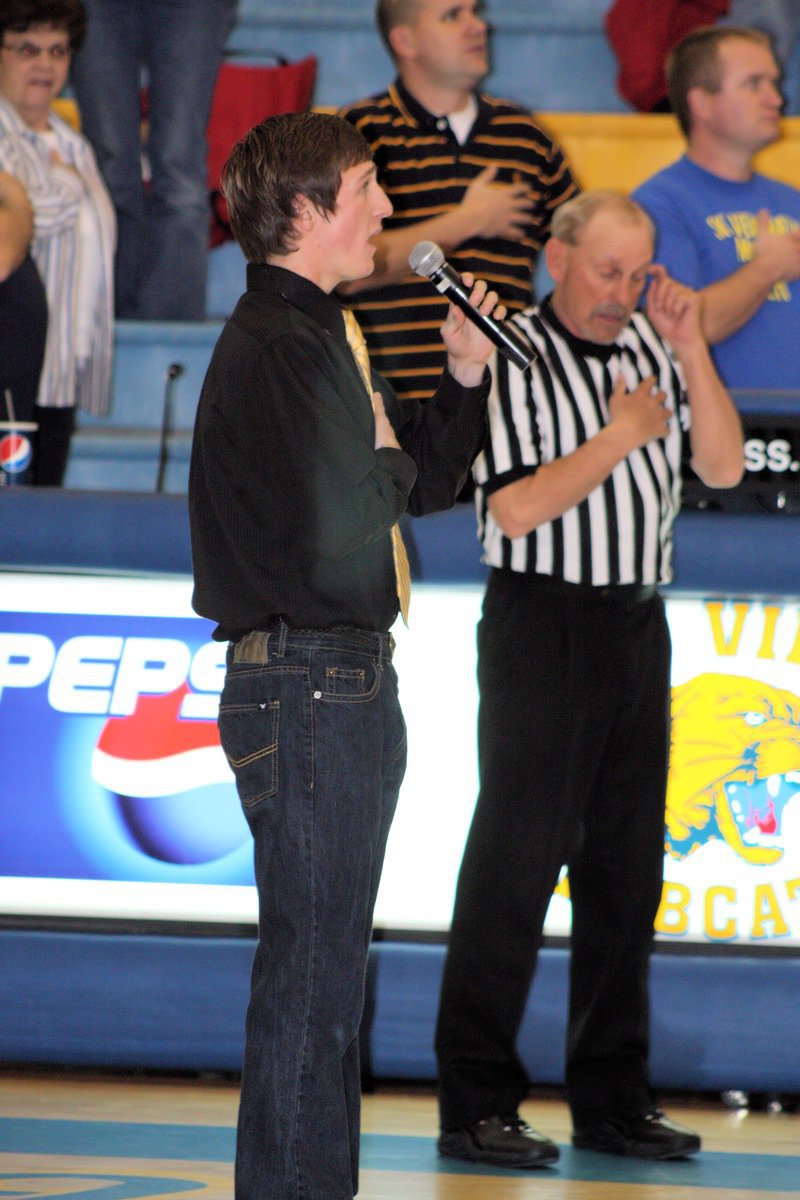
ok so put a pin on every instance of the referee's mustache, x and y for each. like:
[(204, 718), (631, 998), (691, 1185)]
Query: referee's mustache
[(617, 312)]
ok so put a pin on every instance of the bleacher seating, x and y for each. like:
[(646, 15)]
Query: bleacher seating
[(621, 150), (547, 54), (122, 449), (551, 55), (158, 372), (226, 280)]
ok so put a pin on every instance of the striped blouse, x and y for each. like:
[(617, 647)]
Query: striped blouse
[(56, 193), (425, 172), (622, 532)]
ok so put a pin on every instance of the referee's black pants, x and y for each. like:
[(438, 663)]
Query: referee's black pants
[(573, 742)]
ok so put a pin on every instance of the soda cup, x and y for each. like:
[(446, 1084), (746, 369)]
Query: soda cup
[(16, 452)]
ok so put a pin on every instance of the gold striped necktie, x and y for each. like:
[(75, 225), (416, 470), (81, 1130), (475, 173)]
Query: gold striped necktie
[(402, 571)]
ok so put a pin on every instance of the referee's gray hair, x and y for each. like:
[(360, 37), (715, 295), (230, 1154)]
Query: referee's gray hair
[(570, 218)]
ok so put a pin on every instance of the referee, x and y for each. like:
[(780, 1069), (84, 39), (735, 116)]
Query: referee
[(577, 491)]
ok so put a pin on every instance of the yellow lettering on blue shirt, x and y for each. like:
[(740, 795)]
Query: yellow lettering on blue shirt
[(743, 228)]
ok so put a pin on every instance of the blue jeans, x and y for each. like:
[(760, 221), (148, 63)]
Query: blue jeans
[(311, 724), (162, 246)]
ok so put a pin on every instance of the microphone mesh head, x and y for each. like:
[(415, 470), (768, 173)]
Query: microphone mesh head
[(425, 258)]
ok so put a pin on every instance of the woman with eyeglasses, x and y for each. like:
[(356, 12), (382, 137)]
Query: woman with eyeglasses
[(74, 223)]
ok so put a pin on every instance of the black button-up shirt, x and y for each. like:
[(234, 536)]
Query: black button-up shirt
[(290, 504)]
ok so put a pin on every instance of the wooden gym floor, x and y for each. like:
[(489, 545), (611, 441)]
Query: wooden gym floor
[(125, 1137)]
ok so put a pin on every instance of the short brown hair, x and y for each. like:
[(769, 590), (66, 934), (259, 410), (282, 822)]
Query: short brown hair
[(281, 158), (18, 16), (695, 62), (571, 217), (391, 13)]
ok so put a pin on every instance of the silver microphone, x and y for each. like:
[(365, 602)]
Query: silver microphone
[(427, 259)]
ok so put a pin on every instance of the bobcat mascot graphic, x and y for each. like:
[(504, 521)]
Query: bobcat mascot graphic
[(735, 766)]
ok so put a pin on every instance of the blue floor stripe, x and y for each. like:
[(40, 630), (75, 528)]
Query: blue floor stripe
[(118, 1139), (745, 1172), (128, 1188), (384, 1152)]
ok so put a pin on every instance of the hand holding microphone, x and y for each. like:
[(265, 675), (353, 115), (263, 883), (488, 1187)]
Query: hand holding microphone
[(426, 259)]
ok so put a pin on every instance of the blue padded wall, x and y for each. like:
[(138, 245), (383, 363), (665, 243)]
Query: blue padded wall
[(110, 999), (699, 1039), (179, 1003)]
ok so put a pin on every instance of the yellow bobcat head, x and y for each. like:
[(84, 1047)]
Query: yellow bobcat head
[(735, 765)]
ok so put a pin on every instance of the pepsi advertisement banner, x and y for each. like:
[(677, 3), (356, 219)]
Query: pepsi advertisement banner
[(109, 690), (116, 799)]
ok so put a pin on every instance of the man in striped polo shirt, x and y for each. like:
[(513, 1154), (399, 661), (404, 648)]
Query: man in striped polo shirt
[(577, 490), (466, 170)]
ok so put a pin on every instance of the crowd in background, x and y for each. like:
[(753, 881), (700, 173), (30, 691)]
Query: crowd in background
[(120, 228), (106, 243)]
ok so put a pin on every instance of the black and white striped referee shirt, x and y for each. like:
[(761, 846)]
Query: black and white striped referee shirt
[(622, 532)]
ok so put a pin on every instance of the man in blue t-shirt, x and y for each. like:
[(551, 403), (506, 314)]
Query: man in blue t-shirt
[(722, 228)]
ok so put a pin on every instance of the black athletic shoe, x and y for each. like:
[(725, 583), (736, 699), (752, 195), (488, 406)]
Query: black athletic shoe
[(649, 1135), (501, 1142)]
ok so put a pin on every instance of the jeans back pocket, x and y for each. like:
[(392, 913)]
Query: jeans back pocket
[(249, 737)]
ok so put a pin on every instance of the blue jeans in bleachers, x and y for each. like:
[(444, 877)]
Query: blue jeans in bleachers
[(163, 230)]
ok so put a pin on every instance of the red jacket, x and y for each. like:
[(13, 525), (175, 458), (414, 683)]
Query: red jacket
[(642, 32)]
